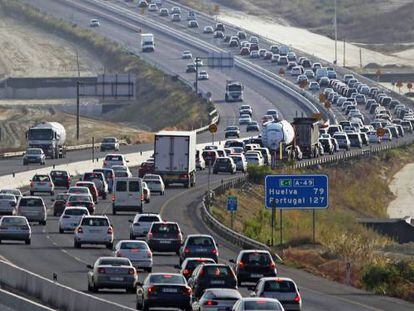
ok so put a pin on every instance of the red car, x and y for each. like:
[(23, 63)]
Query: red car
[(146, 168), (92, 189), (60, 178)]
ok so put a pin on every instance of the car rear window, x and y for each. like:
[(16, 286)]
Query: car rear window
[(59, 173), (76, 212), (167, 279), (115, 262), (31, 202), (15, 221), (107, 173), (95, 222), (79, 198), (113, 158), (217, 271), (133, 245), (219, 160), (280, 286), (256, 258), (222, 294), (165, 228), (121, 186), (134, 186), (121, 174), (92, 176), (148, 219), (7, 197), (261, 305), (41, 178), (200, 241), (192, 264)]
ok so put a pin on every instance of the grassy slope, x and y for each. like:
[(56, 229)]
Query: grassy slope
[(375, 21), (161, 101), (358, 188)]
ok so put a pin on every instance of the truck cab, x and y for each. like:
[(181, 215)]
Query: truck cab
[(234, 91), (147, 42)]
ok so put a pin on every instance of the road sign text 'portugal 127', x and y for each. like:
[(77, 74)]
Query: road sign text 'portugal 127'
[(296, 191)]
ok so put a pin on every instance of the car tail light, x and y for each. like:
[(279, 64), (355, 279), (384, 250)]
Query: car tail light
[(272, 265), (113, 198), (211, 303), (149, 254), (202, 272), (152, 290), (241, 265), (31, 184), (186, 250), (80, 230), (149, 235), (214, 251), (187, 291), (142, 197), (119, 254), (131, 271), (101, 270), (186, 272), (110, 230), (297, 298), (68, 204), (180, 236), (105, 163)]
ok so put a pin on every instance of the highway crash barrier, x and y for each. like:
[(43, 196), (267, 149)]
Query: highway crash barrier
[(20, 303), (51, 293)]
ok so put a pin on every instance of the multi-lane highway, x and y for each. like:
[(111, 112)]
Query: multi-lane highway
[(52, 252)]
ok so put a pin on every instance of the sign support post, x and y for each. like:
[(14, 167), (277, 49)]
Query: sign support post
[(93, 148), (313, 225), (281, 226), (232, 208)]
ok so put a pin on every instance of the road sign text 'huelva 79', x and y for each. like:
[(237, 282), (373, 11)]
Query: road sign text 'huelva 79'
[(296, 191)]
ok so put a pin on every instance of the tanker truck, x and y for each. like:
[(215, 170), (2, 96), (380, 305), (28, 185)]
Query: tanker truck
[(49, 136), (275, 133)]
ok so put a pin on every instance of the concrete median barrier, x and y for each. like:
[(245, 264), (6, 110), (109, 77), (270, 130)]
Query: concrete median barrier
[(53, 294), (15, 302)]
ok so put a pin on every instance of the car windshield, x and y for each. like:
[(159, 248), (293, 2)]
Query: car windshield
[(40, 134), (92, 176), (76, 212), (166, 279), (114, 262), (80, 198), (200, 241), (232, 128), (31, 202), (58, 174), (13, 221), (62, 197), (165, 228), (261, 305), (217, 271), (148, 219), (95, 222), (113, 158), (109, 140), (134, 245)]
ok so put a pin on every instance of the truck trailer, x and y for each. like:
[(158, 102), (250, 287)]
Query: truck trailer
[(175, 157), (234, 91), (307, 136)]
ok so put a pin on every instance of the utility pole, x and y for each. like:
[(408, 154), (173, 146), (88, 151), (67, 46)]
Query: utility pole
[(77, 96), (197, 60), (360, 57), (344, 53), (336, 34)]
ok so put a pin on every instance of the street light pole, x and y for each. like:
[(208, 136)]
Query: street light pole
[(336, 34), (77, 109), (196, 80)]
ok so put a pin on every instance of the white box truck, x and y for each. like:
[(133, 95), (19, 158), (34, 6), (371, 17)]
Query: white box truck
[(175, 157), (147, 42)]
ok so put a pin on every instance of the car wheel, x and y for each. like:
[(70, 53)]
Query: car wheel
[(131, 290), (104, 196), (149, 270), (131, 237), (31, 192), (239, 283), (113, 211), (109, 245), (144, 306), (61, 230), (0, 241), (52, 193), (77, 244), (90, 288)]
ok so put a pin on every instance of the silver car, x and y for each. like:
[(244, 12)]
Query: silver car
[(16, 192), (254, 303), (138, 252), (155, 183), (42, 183), (282, 289), (15, 228), (112, 272), (240, 161), (8, 204), (141, 224), (33, 208), (71, 218), (34, 155), (217, 299)]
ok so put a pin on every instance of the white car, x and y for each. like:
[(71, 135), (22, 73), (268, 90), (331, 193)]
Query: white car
[(208, 29), (192, 24), (217, 299), (202, 75), (152, 7), (121, 171), (155, 183), (141, 224), (94, 230), (42, 183), (94, 23), (114, 159), (254, 158), (71, 218), (138, 252), (255, 303), (79, 190), (186, 55), (16, 192), (373, 138), (8, 204), (176, 17), (244, 119)]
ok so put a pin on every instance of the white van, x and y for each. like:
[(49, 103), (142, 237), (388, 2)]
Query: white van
[(127, 195)]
